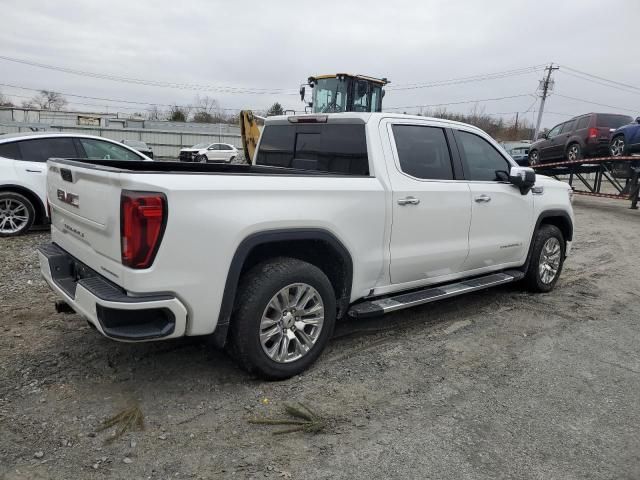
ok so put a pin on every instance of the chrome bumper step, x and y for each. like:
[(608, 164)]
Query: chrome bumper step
[(380, 306)]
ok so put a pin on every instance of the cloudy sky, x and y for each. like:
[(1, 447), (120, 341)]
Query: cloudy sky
[(252, 53)]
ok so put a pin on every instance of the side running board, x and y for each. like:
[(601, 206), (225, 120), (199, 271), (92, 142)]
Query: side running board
[(380, 306)]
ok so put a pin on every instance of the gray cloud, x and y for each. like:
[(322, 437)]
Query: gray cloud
[(279, 44)]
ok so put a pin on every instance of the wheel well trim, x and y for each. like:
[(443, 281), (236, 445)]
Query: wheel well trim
[(272, 236), (41, 211), (552, 213)]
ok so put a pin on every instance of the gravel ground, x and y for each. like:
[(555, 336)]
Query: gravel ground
[(498, 384)]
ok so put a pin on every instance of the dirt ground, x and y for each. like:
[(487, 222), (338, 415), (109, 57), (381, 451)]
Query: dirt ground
[(499, 384)]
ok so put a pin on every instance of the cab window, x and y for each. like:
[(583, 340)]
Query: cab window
[(481, 161), (423, 152)]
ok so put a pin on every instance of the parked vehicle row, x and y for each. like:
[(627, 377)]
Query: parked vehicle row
[(23, 171), (209, 152), (355, 214), (590, 135)]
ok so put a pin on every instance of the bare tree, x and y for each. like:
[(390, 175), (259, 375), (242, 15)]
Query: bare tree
[(207, 110), (5, 102), (154, 113), (49, 100), (178, 113)]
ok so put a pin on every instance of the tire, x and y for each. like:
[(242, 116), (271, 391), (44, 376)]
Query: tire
[(260, 289), (231, 159), (618, 147), (574, 152), (545, 237), (534, 157), (16, 214), (202, 159)]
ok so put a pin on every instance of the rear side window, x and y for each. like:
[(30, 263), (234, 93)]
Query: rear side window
[(481, 161), (423, 152), (612, 121), (42, 149), (99, 150), (10, 150), (334, 148), (567, 127), (583, 123)]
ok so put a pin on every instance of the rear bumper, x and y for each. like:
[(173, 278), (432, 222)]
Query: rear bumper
[(115, 313)]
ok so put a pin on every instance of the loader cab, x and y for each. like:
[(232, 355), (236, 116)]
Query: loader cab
[(344, 93)]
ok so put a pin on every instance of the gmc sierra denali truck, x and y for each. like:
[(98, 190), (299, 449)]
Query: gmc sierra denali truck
[(355, 214)]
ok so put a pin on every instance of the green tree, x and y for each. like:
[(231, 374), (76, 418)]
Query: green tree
[(275, 109)]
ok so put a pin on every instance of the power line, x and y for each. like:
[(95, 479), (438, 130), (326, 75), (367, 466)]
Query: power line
[(608, 85), (459, 103), (596, 103), (154, 83), (601, 78), (469, 79)]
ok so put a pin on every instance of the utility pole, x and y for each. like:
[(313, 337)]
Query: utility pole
[(515, 127), (546, 86)]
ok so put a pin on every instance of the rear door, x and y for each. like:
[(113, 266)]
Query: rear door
[(35, 153), (431, 207), (501, 217)]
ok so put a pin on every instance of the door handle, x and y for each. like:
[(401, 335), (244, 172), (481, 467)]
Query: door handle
[(483, 198), (408, 201), (33, 171)]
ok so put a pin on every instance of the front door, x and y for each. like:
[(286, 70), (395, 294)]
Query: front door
[(501, 217), (431, 209), (553, 147)]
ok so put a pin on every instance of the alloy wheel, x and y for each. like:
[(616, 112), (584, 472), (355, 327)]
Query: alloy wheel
[(291, 323), (550, 257), (574, 152), (14, 216), (617, 147)]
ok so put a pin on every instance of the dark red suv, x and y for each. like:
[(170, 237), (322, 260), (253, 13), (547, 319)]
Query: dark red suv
[(584, 136)]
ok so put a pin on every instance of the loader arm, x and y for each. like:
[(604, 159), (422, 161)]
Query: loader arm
[(250, 132)]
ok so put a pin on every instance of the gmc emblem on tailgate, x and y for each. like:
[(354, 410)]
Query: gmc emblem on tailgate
[(67, 197)]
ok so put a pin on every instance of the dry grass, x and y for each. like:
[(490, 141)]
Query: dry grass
[(304, 420), (129, 419)]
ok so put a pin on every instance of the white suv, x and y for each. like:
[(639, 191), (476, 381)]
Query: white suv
[(23, 172), (209, 152)]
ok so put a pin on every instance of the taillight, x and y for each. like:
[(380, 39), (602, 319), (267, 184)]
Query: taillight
[(593, 132), (143, 217)]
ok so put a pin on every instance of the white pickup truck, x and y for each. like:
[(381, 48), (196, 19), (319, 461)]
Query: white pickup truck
[(354, 214)]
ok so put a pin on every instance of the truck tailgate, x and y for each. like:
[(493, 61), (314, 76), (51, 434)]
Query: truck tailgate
[(85, 214)]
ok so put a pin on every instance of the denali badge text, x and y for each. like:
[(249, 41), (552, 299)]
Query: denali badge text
[(75, 231), (67, 197)]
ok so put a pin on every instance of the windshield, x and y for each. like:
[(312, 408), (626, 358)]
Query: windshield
[(330, 96), (200, 146)]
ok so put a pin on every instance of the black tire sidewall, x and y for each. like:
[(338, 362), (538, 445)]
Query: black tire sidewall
[(261, 284), (533, 272), (30, 211)]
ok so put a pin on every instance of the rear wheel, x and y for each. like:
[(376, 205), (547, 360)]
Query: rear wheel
[(16, 214), (547, 258), (617, 148), (574, 152), (284, 316), (534, 157)]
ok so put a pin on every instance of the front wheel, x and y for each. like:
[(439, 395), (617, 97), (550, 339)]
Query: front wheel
[(547, 258), (16, 214), (617, 147), (284, 316), (201, 158)]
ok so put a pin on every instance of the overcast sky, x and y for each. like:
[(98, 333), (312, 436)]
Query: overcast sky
[(276, 45)]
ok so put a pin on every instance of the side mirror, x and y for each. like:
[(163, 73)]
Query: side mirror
[(522, 177), (638, 120), (302, 91)]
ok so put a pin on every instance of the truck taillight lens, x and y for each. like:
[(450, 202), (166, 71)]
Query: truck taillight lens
[(593, 132), (143, 217)]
